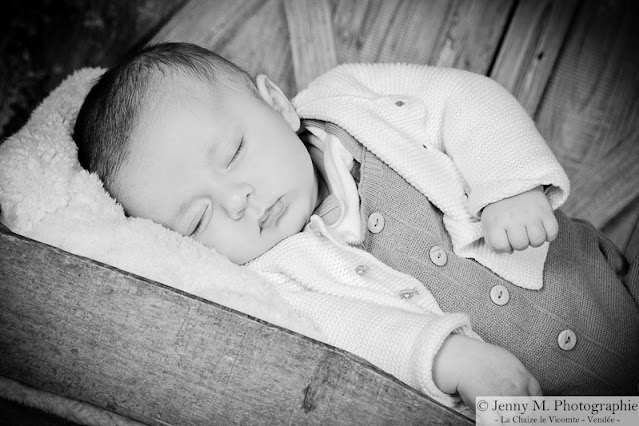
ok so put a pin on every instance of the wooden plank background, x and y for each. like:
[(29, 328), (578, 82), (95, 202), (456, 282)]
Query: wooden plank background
[(573, 64)]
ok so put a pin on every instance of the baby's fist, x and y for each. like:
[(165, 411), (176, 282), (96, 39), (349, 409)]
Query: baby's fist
[(475, 368), (522, 221)]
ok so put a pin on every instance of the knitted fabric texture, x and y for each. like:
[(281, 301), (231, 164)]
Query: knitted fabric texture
[(583, 291), (459, 138), (356, 302)]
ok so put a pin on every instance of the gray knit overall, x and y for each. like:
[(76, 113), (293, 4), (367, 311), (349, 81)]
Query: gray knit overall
[(578, 335)]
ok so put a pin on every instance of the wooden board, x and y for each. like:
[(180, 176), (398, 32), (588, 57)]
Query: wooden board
[(311, 37), (236, 30), (461, 34), (624, 229), (530, 48), (590, 111), (88, 331)]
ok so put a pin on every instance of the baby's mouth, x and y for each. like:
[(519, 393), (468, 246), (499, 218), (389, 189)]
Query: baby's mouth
[(272, 214)]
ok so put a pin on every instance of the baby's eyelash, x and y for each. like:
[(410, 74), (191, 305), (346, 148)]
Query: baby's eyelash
[(239, 151), (199, 223)]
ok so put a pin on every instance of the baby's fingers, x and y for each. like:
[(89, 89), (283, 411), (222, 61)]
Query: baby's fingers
[(536, 234), (551, 226), (497, 239), (518, 237)]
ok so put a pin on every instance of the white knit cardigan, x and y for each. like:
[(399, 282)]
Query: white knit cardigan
[(464, 142), (460, 138)]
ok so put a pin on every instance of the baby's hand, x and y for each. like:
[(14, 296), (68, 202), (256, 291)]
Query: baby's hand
[(475, 368), (519, 222)]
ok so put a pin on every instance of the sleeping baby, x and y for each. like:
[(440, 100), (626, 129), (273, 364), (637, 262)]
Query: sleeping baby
[(393, 205)]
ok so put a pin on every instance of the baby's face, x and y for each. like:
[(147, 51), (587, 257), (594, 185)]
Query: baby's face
[(231, 173)]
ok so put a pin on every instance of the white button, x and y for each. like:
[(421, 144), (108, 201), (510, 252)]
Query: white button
[(499, 295), (375, 223), (408, 293), (567, 340), (361, 269), (438, 256)]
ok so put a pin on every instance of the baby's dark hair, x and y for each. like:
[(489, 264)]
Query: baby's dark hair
[(112, 109)]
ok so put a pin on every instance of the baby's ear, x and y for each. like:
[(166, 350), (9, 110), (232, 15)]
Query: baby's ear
[(273, 95)]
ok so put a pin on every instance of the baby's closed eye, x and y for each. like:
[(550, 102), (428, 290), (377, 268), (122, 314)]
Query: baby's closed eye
[(199, 221)]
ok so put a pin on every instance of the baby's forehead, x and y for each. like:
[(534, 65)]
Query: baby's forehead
[(165, 93), (178, 102), (168, 85)]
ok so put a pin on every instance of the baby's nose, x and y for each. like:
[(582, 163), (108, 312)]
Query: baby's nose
[(236, 200)]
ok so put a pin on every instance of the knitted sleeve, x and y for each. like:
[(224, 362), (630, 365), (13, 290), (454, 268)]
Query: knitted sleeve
[(495, 144), (400, 342), (476, 122)]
